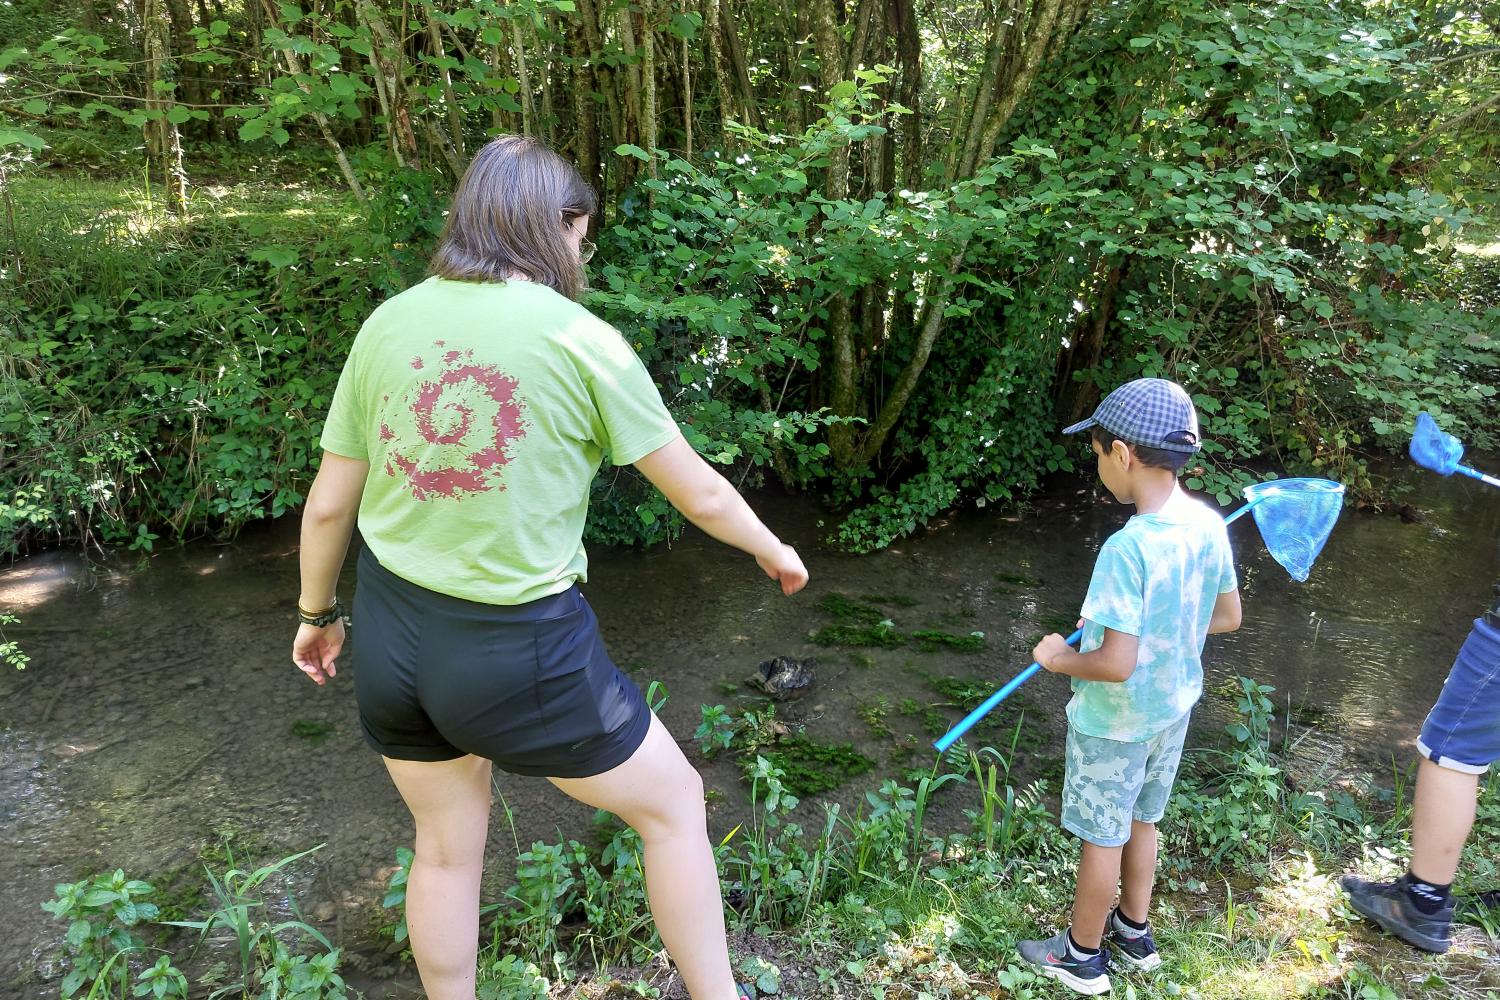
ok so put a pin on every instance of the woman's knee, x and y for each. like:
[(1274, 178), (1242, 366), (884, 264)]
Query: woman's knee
[(677, 810), (448, 852)]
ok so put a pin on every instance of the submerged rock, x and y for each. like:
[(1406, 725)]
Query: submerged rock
[(783, 678)]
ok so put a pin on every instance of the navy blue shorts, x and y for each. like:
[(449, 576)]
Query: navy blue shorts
[(529, 686), (1462, 732)]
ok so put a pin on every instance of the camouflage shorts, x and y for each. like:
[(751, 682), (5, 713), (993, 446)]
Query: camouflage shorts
[(1109, 783)]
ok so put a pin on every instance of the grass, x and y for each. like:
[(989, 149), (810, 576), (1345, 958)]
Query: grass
[(933, 640), (81, 214)]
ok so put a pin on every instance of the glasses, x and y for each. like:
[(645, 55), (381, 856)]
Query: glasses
[(586, 251)]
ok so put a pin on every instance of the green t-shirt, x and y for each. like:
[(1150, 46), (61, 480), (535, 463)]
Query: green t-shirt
[(484, 410), (1156, 578)]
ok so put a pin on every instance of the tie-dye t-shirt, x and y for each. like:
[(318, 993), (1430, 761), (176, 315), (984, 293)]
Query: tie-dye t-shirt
[(1156, 578), (484, 410)]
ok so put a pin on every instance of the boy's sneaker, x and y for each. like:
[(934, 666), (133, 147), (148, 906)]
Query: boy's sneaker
[(1138, 952), (1387, 904), (1052, 958)]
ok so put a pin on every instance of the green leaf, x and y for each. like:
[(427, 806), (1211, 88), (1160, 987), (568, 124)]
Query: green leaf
[(10, 136), (626, 149), (843, 90), (79, 932), (685, 26), (253, 129), (276, 256)]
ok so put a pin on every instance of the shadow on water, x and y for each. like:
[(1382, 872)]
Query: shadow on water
[(161, 716)]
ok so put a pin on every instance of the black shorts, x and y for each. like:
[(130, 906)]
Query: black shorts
[(529, 686)]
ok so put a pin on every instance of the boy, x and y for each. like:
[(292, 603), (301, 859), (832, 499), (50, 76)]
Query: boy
[(1161, 584)]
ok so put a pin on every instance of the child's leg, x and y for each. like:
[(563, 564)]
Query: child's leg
[(1138, 871), (1441, 817), (1098, 878), (1100, 787)]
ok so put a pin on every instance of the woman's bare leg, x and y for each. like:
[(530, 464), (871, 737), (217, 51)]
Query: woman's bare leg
[(660, 794), (450, 801)]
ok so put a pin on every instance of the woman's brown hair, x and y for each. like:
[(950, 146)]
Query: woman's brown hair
[(508, 214)]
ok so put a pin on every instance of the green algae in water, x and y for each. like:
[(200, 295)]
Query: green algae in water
[(873, 714), (809, 768), (860, 625), (1017, 579), (964, 692), (315, 733), (931, 720), (891, 600), (1061, 624), (840, 607), (879, 635), (933, 640)]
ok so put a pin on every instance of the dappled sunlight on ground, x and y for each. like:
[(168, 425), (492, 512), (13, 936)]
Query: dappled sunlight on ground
[(1479, 249)]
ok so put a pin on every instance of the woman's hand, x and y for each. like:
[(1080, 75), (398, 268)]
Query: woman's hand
[(315, 650), (785, 567)]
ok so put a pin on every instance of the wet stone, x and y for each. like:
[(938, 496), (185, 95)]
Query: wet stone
[(784, 678)]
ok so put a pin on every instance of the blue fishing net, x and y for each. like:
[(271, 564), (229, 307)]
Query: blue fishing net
[(1432, 449), (1295, 518)]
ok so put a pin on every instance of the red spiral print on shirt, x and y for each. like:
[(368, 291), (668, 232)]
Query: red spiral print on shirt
[(448, 452)]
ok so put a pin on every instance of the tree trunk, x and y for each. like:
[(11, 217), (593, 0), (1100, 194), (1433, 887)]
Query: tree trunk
[(163, 141), (687, 96), (861, 38), (607, 82), (190, 86), (648, 80), (386, 59), (749, 112), (1087, 349), (543, 49), (903, 21), (453, 148), (719, 64), (523, 74), (586, 144)]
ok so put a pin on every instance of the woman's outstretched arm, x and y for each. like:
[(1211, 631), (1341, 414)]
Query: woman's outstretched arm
[(705, 498)]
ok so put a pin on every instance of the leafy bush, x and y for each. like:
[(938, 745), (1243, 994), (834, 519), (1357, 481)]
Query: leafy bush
[(103, 913)]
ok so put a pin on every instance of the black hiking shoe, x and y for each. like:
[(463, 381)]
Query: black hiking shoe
[(1386, 903), (1052, 958), (1137, 952)]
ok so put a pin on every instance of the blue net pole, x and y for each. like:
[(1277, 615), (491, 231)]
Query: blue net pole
[(1482, 477)]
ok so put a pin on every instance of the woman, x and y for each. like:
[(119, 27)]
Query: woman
[(468, 423)]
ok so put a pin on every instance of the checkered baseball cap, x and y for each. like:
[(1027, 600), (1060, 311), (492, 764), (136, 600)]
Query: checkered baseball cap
[(1152, 412)]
